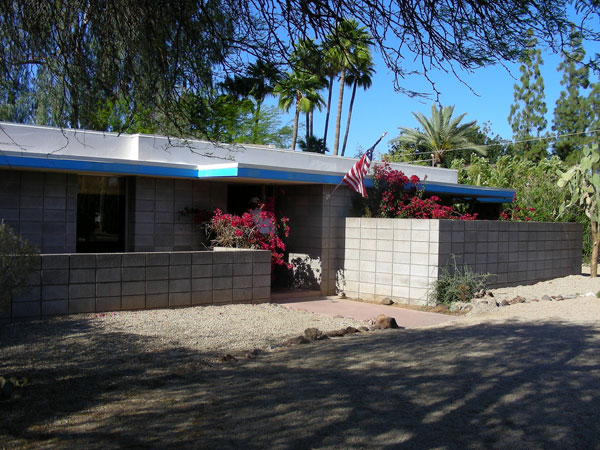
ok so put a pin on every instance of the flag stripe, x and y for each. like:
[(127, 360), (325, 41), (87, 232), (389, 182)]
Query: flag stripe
[(355, 178)]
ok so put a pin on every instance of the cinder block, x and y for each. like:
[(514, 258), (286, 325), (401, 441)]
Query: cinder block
[(180, 272), (108, 289), (133, 288), (242, 282), (240, 295), (105, 275), (82, 261), (222, 283), (157, 273), (133, 260), (28, 294), (157, 286), (184, 285), (55, 307), (82, 305), (400, 293), (26, 309), (157, 259), (108, 304), (55, 261), (261, 256), (180, 259), (202, 257), (133, 273), (60, 276), (108, 260), (242, 269), (180, 299), (87, 290), (419, 224), (202, 297), (242, 257), (259, 293), (131, 302), (55, 292), (202, 284), (157, 300), (222, 296), (222, 270), (202, 271), (261, 280)]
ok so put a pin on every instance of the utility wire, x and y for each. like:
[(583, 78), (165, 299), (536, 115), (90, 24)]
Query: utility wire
[(505, 142)]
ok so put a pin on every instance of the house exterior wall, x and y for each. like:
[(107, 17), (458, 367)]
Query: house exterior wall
[(157, 225), (85, 283), (41, 207), (401, 258)]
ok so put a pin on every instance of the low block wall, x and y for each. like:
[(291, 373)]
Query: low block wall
[(82, 283), (401, 258)]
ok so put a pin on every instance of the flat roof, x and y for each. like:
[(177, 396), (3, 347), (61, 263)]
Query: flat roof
[(82, 151)]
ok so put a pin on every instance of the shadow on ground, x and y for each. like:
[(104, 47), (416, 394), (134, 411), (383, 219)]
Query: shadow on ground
[(511, 385)]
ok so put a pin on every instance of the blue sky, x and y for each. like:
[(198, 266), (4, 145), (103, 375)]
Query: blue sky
[(381, 109)]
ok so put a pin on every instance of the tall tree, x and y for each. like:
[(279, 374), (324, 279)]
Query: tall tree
[(359, 75), (440, 134), (527, 116), (572, 113), (351, 41)]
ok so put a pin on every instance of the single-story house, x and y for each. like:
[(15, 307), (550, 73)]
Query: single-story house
[(87, 192)]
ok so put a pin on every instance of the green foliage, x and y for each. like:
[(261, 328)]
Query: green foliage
[(457, 284), (572, 113), (439, 135), (17, 259), (527, 114), (313, 144)]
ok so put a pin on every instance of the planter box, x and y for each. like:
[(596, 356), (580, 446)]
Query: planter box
[(401, 258)]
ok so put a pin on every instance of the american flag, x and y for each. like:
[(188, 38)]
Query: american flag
[(355, 178)]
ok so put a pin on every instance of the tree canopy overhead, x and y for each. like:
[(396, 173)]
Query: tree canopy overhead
[(146, 62)]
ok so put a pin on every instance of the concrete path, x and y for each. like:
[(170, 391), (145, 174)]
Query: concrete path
[(334, 306)]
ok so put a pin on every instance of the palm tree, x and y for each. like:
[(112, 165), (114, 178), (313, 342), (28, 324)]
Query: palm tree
[(330, 69), (263, 77), (313, 144), (440, 134), (359, 75), (348, 41), (298, 88)]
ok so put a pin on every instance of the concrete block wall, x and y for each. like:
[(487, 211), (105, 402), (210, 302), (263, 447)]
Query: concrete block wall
[(317, 230), (401, 258), (84, 283), (41, 207), (513, 252), (155, 222), (394, 258)]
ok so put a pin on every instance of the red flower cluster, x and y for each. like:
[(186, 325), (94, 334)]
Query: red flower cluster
[(401, 197), (516, 214), (251, 230)]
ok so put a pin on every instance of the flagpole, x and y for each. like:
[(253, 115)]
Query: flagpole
[(328, 196)]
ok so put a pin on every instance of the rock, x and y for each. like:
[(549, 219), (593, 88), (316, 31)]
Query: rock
[(535, 300), (384, 322), (570, 296), (490, 294), (440, 308), (363, 329), (313, 334), (557, 298), (504, 303), (517, 299), (484, 302), (387, 301), (546, 298), (227, 358), (351, 330), (480, 293), (342, 295), (336, 333), (296, 340), (252, 353), (467, 308)]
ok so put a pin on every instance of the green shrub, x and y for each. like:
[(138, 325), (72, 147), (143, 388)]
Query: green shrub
[(457, 284), (17, 259)]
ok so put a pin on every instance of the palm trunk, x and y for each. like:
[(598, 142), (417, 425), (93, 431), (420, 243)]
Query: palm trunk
[(255, 125), (596, 242), (307, 118), (296, 120), (336, 140), (328, 110), (349, 117)]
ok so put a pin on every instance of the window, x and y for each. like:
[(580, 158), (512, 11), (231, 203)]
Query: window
[(100, 214)]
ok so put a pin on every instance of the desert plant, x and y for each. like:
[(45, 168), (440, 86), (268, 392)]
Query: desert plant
[(17, 259), (457, 284)]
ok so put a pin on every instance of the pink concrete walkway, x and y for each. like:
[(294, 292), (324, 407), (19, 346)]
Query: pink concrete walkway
[(333, 306)]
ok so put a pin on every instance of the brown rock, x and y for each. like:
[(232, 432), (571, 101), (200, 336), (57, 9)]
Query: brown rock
[(227, 358), (363, 329), (351, 330), (467, 308), (387, 301), (313, 334), (504, 303), (384, 322), (296, 340), (336, 333)]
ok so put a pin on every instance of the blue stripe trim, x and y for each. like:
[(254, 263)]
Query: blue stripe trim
[(96, 166), (218, 172), (266, 174)]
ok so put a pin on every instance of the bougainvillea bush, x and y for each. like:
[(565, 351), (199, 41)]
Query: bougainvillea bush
[(396, 195), (256, 230)]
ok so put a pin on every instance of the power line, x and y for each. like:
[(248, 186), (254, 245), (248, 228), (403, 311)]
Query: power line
[(506, 142)]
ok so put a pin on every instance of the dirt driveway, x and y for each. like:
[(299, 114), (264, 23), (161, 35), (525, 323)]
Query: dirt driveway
[(497, 383)]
